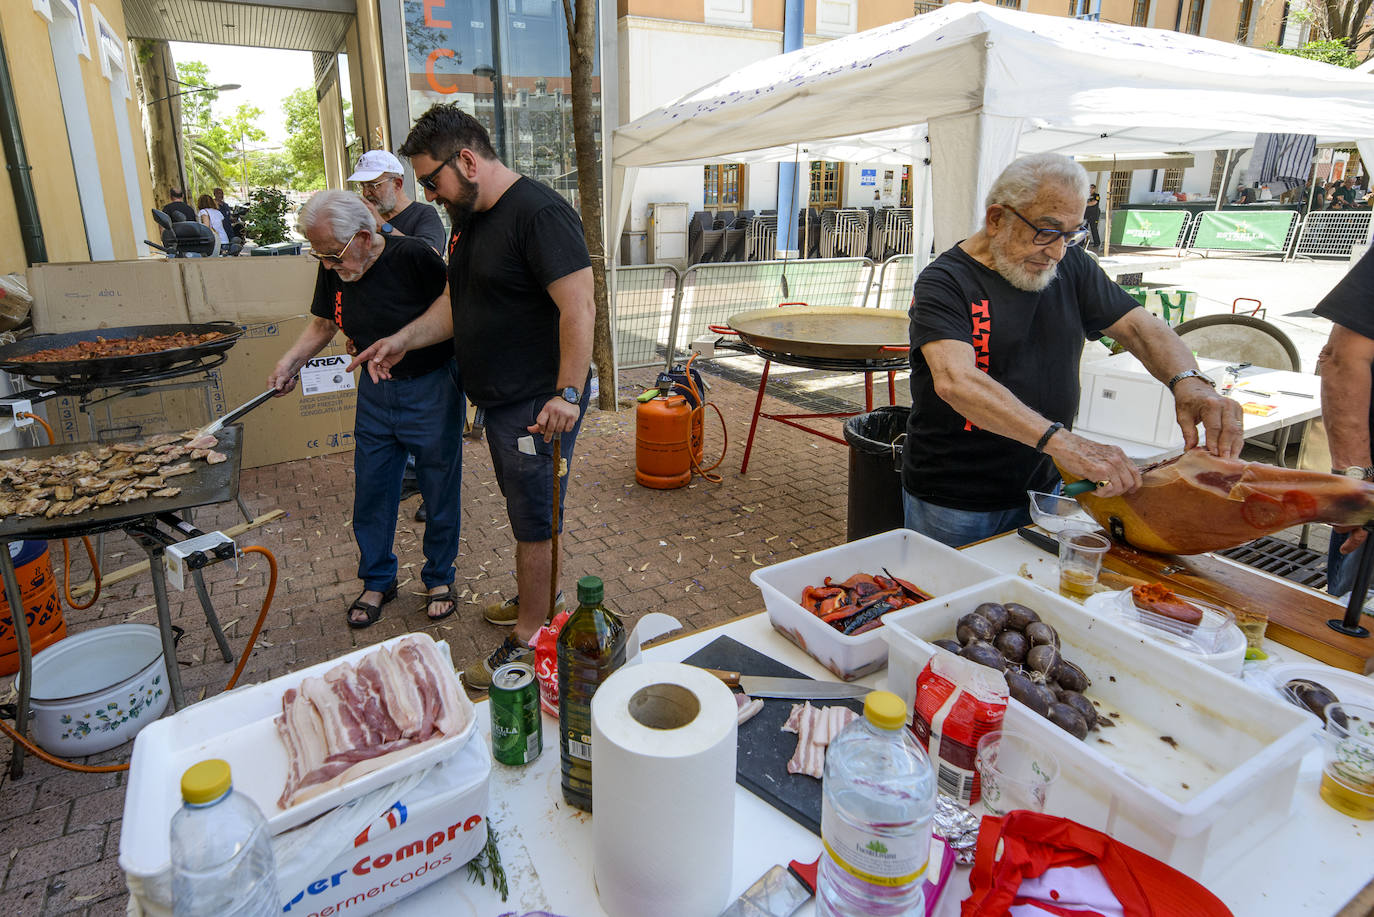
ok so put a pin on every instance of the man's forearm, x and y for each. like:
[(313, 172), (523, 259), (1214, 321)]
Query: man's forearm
[(434, 325), (575, 346), (1159, 349), (1345, 408), (311, 341), (989, 405)]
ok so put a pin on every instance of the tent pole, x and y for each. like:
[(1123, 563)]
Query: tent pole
[(1107, 213), (1225, 176)]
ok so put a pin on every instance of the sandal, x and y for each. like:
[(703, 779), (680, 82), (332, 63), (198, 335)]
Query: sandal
[(373, 612), (446, 596)]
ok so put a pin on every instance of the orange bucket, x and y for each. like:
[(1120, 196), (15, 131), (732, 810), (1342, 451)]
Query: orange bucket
[(42, 607)]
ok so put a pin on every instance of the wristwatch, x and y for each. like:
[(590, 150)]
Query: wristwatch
[(571, 395), (1362, 472), (388, 228), (1189, 374)]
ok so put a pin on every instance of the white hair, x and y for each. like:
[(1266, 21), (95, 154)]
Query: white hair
[(1021, 181), (343, 213)]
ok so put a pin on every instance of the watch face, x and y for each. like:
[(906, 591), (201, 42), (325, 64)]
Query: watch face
[(571, 395)]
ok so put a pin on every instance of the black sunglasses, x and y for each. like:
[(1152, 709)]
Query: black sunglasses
[(427, 181), (1045, 236)]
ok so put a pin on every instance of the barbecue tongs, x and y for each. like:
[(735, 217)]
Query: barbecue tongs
[(216, 425)]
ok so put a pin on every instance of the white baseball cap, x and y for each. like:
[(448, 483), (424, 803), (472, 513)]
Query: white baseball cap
[(375, 162)]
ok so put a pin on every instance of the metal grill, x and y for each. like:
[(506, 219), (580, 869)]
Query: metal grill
[(896, 282), (645, 296), (711, 293), (1281, 558), (1333, 233)]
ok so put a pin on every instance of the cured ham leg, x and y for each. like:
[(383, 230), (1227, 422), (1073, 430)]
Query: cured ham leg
[(1199, 502)]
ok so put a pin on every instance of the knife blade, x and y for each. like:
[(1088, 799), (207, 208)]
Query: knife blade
[(798, 688), (216, 425)]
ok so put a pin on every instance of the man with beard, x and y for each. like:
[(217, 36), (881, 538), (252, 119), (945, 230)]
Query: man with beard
[(520, 284), (997, 330), (381, 180)]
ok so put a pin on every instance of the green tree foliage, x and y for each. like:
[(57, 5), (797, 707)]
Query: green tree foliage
[(265, 219), (204, 157), (195, 106), (1327, 50), (304, 142), (271, 169)]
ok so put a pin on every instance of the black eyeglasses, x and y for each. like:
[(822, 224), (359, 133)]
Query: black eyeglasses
[(427, 181), (1044, 236), (338, 257)]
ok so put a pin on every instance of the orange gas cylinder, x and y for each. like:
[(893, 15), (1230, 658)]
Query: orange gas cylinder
[(42, 607), (663, 442)]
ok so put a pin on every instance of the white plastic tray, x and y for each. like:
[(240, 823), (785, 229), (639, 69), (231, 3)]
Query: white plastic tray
[(238, 727), (1228, 656), (919, 560), (1239, 752)]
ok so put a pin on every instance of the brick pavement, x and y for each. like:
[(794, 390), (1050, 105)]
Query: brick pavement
[(687, 552)]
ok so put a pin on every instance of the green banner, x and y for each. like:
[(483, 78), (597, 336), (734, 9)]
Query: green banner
[(1148, 228), (1230, 231)]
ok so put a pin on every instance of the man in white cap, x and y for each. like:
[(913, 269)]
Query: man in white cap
[(381, 179)]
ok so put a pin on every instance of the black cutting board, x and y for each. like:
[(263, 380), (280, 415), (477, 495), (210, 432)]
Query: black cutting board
[(764, 749)]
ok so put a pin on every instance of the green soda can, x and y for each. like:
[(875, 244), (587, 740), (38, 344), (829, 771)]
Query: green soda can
[(517, 735)]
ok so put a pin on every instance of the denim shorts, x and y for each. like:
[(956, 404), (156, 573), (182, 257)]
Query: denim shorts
[(524, 465)]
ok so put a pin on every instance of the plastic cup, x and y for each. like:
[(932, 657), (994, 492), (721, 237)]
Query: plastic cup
[(1080, 562), (1253, 625), (1348, 767), (1014, 772)]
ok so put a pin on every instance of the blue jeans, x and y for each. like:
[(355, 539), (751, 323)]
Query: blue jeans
[(958, 527), (526, 477), (423, 417)]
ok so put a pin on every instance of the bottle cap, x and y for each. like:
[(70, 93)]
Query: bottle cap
[(885, 710), (206, 781), (590, 590)]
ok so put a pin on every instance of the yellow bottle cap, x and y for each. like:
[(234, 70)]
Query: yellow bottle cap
[(207, 781), (885, 710)]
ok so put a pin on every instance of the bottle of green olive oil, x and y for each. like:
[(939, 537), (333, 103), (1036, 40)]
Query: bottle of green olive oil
[(591, 646)]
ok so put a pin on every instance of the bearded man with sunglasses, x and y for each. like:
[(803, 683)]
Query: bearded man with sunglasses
[(997, 330), (370, 285)]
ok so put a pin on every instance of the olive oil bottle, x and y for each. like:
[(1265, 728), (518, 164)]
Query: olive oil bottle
[(591, 646)]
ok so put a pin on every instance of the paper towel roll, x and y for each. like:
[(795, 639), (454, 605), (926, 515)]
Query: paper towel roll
[(663, 791)]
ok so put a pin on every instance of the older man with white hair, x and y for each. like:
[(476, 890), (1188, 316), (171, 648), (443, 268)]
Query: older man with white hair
[(997, 329), (381, 181), (371, 285)]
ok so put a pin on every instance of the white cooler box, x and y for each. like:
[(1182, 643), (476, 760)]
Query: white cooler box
[(352, 850), (1120, 398)]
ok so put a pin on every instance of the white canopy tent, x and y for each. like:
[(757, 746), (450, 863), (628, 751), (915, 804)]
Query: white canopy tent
[(961, 91)]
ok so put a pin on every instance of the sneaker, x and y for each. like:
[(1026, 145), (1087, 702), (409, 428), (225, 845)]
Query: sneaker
[(508, 612), (478, 675)]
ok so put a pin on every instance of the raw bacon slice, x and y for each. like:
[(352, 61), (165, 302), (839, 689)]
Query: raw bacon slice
[(746, 708), (359, 718), (815, 728), (1199, 502)]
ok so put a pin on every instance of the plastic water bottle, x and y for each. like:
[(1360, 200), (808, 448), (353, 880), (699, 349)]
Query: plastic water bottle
[(222, 863), (878, 803)]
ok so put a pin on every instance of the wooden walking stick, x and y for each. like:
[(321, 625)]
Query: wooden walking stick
[(553, 563)]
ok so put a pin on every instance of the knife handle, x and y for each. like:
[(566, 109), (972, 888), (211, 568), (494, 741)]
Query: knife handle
[(730, 678)]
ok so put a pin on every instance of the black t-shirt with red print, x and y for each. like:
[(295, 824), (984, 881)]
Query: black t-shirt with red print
[(1029, 342)]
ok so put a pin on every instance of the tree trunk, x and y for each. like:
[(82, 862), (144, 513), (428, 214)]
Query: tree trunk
[(582, 54), (161, 120)]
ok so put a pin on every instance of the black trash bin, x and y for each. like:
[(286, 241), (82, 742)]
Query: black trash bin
[(875, 470)]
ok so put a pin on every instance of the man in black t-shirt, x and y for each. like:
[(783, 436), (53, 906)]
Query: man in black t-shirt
[(381, 180), (997, 330), (520, 281), (371, 285), (178, 209), (1346, 365)]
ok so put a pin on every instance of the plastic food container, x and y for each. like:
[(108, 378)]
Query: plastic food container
[(96, 690), (919, 560), (1054, 513), (1224, 650), (1199, 767), (1209, 635)]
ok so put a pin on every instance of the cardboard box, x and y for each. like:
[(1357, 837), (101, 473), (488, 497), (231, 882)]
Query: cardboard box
[(106, 294)]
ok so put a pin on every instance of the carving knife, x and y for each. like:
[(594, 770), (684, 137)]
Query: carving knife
[(798, 688)]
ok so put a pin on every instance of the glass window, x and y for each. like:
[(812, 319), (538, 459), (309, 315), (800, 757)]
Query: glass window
[(1195, 16), (722, 185), (826, 178), (1173, 180), (1247, 9), (511, 74), (1140, 13)]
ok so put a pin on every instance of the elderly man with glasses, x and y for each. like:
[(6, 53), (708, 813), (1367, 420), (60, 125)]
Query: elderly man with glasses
[(381, 181), (997, 329), (371, 285)]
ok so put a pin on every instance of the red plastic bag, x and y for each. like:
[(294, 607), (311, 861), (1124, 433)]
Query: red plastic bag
[(957, 703), (1044, 864), (546, 662)]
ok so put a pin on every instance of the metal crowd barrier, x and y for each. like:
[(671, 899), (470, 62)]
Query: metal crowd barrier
[(658, 313), (896, 282), (1333, 233), (646, 297)]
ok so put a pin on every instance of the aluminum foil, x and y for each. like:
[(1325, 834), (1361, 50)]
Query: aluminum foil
[(959, 828)]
